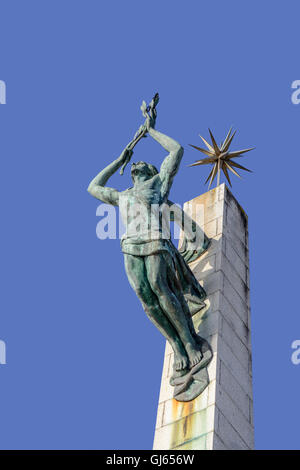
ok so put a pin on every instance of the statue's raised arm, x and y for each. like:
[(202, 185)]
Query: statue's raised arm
[(97, 186), (171, 163)]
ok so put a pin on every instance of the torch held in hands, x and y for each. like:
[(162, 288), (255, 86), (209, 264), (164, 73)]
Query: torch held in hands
[(150, 113)]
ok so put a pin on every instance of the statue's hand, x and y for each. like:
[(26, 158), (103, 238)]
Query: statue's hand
[(150, 122), (149, 113)]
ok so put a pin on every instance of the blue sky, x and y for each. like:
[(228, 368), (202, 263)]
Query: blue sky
[(83, 361)]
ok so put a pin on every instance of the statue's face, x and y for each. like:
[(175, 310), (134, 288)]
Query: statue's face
[(140, 172)]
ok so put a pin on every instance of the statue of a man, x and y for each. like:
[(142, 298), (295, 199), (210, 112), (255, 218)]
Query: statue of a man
[(156, 270)]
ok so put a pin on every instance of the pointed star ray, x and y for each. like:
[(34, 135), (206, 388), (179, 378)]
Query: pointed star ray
[(226, 140), (206, 152), (226, 147), (226, 174), (241, 167), (238, 153), (214, 173), (220, 158), (232, 169), (207, 145), (216, 148), (205, 161), (209, 174)]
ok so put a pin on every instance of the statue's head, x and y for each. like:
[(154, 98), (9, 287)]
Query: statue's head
[(142, 171)]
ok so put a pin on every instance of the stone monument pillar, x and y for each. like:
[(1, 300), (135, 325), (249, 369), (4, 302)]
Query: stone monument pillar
[(221, 417)]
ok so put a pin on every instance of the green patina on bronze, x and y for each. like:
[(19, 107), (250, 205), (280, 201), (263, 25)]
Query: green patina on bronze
[(156, 270)]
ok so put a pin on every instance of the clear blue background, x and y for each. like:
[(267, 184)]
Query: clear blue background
[(84, 363)]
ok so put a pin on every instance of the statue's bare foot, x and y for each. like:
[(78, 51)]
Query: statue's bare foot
[(180, 361), (195, 355), (180, 367)]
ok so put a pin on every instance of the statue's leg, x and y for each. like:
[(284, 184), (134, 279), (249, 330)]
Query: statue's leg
[(177, 290), (137, 276), (157, 267)]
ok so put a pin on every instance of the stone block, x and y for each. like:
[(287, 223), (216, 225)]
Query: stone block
[(236, 345), (230, 385), (230, 437), (194, 444), (236, 301), (159, 417), (237, 260), (235, 280), (233, 319), (213, 283), (238, 370), (174, 410)]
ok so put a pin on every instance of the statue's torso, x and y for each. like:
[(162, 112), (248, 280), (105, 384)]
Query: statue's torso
[(146, 231)]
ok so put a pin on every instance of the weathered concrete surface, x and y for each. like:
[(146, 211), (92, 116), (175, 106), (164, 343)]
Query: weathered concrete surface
[(221, 417)]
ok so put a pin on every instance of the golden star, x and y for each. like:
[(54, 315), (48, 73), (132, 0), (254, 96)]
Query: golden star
[(220, 158)]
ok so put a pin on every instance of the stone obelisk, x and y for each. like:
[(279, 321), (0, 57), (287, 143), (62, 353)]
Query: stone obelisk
[(221, 417)]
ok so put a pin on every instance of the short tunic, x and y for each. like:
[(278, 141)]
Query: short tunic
[(145, 248), (141, 208)]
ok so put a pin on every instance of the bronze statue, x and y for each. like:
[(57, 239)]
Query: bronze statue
[(157, 271)]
